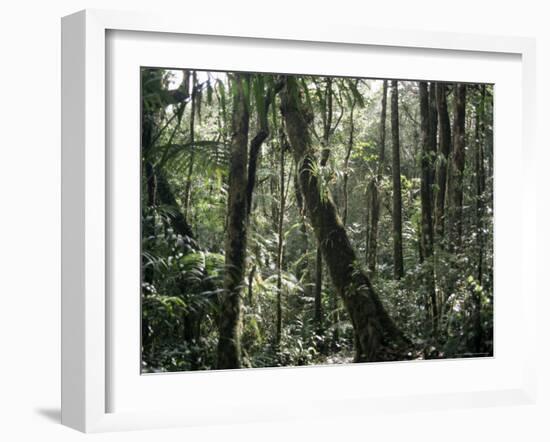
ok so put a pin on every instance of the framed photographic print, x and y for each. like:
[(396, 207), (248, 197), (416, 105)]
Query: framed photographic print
[(251, 213)]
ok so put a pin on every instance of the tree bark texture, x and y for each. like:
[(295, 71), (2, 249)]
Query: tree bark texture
[(373, 193), (426, 167), (428, 140), (280, 245), (327, 122), (396, 179), (480, 204), (443, 161), (456, 176), (258, 140), (374, 330), (229, 345)]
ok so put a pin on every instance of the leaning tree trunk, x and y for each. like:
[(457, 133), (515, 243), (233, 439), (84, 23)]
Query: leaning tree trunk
[(396, 178), (444, 150), (229, 345), (374, 330), (456, 176)]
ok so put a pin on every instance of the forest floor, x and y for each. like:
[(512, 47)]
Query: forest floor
[(342, 357)]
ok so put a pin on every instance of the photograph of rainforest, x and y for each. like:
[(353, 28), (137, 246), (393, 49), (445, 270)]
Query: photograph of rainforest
[(293, 220)]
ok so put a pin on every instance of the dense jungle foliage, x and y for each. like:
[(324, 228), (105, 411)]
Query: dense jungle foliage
[(299, 220)]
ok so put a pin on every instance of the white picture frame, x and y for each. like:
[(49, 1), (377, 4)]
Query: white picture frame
[(86, 315)]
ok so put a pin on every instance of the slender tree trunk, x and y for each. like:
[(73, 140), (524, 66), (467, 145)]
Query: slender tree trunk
[(258, 140), (373, 200), (444, 150), (455, 184), (303, 269), (488, 201), (327, 122), (251, 275), (187, 192), (396, 175), (318, 314), (480, 179), (327, 117), (273, 187), (346, 165), (382, 147), (280, 245), (480, 204), (229, 345), (427, 175), (375, 332), (489, 145), (433, 126)]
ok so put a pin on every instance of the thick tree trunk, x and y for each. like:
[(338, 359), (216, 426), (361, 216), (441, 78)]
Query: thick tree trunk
[(373, 216), (229, 345), (444, 150), (374, 330), (373, 194), (456, 175), (396, 178), (426, 166), (426, 183)]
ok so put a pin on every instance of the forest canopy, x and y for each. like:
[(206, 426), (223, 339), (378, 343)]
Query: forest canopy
[(293, 220)]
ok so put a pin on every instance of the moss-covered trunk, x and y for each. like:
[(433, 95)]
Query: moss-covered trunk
[(229, 345), (374, 330)]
